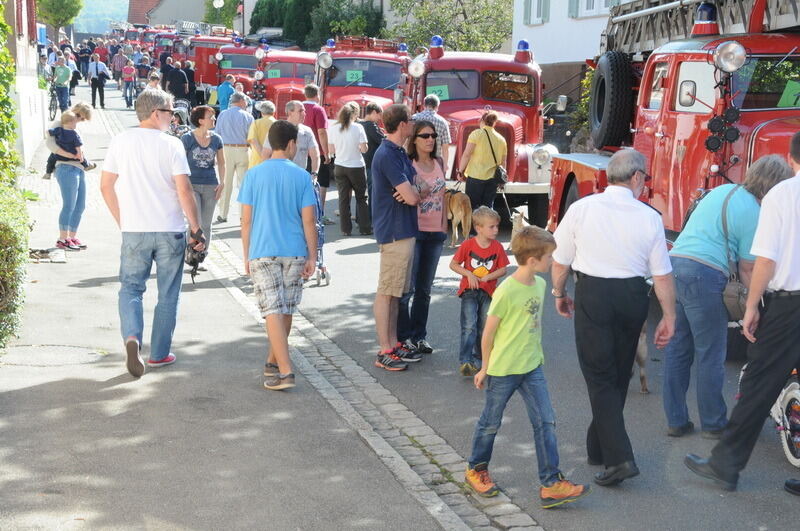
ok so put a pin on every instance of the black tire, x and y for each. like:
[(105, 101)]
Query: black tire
[(537, 210), (53, 107), (572, 196), (611, 100)]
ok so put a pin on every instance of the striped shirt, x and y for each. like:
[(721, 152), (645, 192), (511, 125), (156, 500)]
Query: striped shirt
[(440, 125)]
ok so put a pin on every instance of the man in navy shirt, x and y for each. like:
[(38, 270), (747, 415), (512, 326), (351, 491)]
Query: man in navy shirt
[(394, 218)]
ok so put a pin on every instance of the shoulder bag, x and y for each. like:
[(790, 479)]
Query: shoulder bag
[(735, 294), (500, 175)]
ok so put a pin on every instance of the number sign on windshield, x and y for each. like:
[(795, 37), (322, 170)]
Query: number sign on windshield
[(442, 91), (354, 76)]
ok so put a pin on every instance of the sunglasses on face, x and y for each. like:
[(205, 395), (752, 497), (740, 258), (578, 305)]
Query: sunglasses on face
[(426, 136)]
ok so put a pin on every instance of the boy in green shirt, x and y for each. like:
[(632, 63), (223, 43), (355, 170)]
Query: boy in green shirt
[(512, 360), (61, 77)]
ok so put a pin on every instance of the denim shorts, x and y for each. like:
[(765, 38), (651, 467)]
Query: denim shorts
[(278, 283)]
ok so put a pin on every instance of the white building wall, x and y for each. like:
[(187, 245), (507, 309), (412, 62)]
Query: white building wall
[(170, 11)]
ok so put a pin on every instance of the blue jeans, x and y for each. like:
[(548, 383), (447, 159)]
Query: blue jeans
[(533, 389), (139, 251), (701, 334), (129, 91), (413, 324), (72, 182), (62, 93), (474, 306)]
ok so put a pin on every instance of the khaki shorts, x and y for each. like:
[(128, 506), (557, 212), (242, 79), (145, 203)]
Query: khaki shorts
[(397, 259)]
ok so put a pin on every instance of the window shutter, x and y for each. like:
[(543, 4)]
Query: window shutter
[(545, 11), (573, 8), (526, 18)]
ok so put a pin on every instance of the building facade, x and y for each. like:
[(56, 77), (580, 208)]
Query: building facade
[(171, 11)]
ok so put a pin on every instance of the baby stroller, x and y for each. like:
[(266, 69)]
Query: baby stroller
[(322, 271)]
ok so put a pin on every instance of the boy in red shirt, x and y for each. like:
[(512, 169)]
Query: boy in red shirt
[(480, 261)]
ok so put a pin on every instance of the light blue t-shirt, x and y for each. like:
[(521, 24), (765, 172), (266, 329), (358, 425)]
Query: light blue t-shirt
[(277, 190), (702, 239)]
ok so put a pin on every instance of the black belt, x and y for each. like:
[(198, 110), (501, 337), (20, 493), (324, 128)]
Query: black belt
[(584, 275), (782, 293)]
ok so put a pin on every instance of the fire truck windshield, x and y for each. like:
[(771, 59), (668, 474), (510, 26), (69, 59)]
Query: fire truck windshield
[(508, 86), (239, 62), (767, 83), (453, 84), (364, 73), (149, 37), (165, 42), (287, 70), (132, 35)]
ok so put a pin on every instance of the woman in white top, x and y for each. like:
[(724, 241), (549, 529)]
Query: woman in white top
[(347, 140)]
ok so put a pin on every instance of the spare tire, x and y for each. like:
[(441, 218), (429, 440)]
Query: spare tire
[(611, 100)]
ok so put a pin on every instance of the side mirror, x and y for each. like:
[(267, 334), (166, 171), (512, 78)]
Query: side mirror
[(561, 104), (687, 93), (399, 95)]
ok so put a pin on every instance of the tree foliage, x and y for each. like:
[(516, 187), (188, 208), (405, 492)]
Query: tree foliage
[(58, 13), (297, 21), (269, 14), (223, 15), (474, 25), (343, 17)]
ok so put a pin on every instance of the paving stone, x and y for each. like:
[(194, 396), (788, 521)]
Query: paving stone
[(400, 414), (397, 442), (454, 499), (446, 459), (514, 520), (393, 407), (433, 478), (465, 510), (408, 451), (382, 399), (484, 528), (416, 430), (439, 449), (501, 509), (430, 440), (414, 460), (446, 488), (527, 528), (456, 468), (389, 433), (425, 469), (408, 423), (477, 521), (480, 501)]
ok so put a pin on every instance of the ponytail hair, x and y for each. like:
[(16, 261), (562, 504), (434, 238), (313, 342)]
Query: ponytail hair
[(347, 114)]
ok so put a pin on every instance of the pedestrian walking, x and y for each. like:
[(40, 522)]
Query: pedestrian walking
[(225, 91), (129, 81), (145, 183), (347, 141), (233, 125), (709, 249), (486, 150), (91, 44), (188, 69), (442, 127), (62, 75), (372, 115), (480, 261), (206, 162), (307, 148), (166, 68), (613, 242), (154, 80), (177, 82), (98, 75), (257, 134), (137, 55), (394, 217), (75, 74), (279, 239), (317, 120), (102, 51), (512, 362), (412, 320), (117, 64), (84, 57), (770, 324)]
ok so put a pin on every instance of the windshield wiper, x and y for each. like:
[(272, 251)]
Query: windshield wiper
[(460, 78), (392, 85), (779, 63), (352, 82)]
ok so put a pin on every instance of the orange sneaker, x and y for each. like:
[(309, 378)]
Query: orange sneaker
[(478, 479), (563, 491)]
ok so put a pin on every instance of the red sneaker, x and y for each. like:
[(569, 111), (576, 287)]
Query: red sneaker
[(77, 242), (169, 360), (67, 245)]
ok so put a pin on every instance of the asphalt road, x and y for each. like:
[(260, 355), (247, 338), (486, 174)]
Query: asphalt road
[(665, 496)]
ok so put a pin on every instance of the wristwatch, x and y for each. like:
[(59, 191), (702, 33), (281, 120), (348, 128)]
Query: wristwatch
[(314, 173), (558, 294)]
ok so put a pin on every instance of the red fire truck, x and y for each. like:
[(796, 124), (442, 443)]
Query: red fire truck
[(133, 35), (202, 50), (470, 83), (701, 109), (281, 77), (150, 34), (240, 59), (363, 70)]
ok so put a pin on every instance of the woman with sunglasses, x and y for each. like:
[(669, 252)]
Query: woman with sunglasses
[(432, 220)]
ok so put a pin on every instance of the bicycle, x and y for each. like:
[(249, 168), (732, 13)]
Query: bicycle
[(53, 106)]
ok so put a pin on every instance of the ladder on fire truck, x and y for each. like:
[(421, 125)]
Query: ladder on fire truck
[(641, 26)]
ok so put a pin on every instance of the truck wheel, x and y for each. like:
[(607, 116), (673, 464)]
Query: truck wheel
[(537, 210), (611, 100)]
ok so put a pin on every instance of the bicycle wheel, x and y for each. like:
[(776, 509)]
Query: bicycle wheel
[(53, 106)]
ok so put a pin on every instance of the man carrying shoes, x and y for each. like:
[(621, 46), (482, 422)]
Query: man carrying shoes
[(145, 183), (770, 323), (613, 242)]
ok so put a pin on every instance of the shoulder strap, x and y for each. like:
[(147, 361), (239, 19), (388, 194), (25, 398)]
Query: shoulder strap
[(489, 138), (732, 272)]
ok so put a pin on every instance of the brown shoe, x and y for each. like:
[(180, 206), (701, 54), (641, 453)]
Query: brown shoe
[(134, 363), (276, 382)]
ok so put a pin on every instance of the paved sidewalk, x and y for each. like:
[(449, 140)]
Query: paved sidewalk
[(198, 445)]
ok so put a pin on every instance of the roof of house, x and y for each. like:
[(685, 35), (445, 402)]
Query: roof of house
[(137, 10)]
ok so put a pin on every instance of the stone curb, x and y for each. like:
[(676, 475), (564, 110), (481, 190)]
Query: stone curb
[(421, 460)]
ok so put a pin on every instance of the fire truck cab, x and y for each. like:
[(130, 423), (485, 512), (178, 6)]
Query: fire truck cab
[(202, 51), (470, 83), (241, 59), (701, 109), (150, 34), (362, 70), (281, 77), (133, 35)]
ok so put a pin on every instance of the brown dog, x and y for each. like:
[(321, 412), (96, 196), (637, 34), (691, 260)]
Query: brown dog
[(459, 211)]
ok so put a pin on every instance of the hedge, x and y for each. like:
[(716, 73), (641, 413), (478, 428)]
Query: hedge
[(14, 232)]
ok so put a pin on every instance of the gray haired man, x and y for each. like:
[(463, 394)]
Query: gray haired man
[(430, 114), (145, 183), (306, 143), (233, 125)]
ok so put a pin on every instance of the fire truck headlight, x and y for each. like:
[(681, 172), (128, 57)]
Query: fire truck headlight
[(543, 154), (260, 53), (258, 76), (729, 56), (416, 68), (218, 56), (324, 60)]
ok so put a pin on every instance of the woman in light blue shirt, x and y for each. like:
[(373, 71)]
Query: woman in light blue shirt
[(701, 269)]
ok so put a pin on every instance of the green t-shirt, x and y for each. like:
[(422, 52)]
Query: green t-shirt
[(62, 75), (518, 340)]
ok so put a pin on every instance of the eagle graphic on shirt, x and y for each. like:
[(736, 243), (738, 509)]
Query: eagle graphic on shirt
[(481, 265)]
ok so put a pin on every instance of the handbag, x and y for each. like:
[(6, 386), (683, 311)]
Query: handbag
[(735, 294), (500, 175)]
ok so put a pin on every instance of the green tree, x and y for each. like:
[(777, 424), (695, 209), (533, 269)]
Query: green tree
[(297, 19), (58, 13), (343, 17), (267, 13), (475, 25), (223, 15)]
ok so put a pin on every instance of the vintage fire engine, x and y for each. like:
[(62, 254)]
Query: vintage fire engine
[(149, 36), (363, 70), (701, 102), (470, 83), (241, 59), (281, 77), (134, 34)]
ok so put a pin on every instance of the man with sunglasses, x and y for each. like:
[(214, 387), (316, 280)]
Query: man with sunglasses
[(146, 186), (613, 242), (441, 126)]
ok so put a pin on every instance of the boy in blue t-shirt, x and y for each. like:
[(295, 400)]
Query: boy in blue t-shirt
[(279, 237)]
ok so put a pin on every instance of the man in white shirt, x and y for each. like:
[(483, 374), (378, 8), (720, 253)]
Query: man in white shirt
[(771, 324), (145, 183), (306, 143), (613, 242)]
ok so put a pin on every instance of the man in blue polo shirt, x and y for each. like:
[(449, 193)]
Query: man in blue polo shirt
[(394, 219)]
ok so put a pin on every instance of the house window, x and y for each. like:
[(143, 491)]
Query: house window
[(593, 8), (535, 12)]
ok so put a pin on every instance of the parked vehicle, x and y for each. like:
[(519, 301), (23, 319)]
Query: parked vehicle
[(363, 70), (241, 59), (134, 35), (701, 108), (150, 35), (470, 83), (281, 77)]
